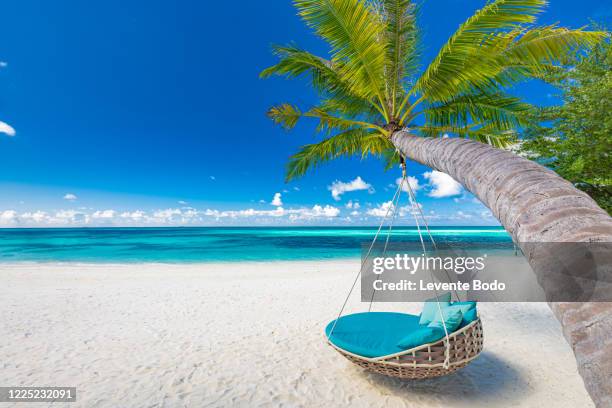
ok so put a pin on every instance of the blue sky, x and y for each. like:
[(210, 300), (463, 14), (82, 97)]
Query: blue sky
[(152, 113)]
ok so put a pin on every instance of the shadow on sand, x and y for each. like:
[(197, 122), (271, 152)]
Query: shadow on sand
[(485, 378)]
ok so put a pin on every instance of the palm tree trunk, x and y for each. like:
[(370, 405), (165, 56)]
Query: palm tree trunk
[(534, 204)]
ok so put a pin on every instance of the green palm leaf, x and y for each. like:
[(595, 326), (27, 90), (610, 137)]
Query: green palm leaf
[(477, 32), (326, 77), (549, 44), (354, 32), (328, 122), (285, 115), (402, 36), (349, 143), (505, 112)]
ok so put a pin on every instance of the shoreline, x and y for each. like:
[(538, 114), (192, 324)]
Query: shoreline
[(186, 264)]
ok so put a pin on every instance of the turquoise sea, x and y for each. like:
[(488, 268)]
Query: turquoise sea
[(125, 245)]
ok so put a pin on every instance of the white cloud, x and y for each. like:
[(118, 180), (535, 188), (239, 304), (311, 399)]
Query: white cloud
[(37, 216), (213, 178), (105, 214), (167, 213), (276, 201), (338, 188), (42, 218), (3, 64), (133, 215), (70, 197), (387, 209), (8, 216), (412, 181), (190, 213), (382, 210), (64, 217), (318, 211), (166, 217), (278, 212), (462, 215), (181, 202), (442, 185), (7, 129), (487, 214), (296, 188), (352, 205)]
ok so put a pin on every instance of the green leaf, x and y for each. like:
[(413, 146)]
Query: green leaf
[(503, 111), (354, 31), (285, 115), (349, 143), (479, 31), (402, 46)]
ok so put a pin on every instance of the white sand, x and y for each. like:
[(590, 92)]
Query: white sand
[(246, 335)]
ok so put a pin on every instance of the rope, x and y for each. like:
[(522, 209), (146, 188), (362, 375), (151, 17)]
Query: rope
[(413, 198), (395, 211), (397, 192)]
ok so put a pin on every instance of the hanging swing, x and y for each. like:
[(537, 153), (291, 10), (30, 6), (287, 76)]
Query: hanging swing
[(373, 340)]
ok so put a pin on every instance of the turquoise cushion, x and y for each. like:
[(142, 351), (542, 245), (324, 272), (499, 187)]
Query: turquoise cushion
[(430, 308), (464, 306), (373, 334), (470, 304), (452, 318), (420, 336), (469, 317)]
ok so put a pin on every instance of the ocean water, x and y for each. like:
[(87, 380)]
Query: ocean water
[(178, 245)]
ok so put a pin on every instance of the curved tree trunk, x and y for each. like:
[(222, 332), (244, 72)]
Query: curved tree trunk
[(534, 204)]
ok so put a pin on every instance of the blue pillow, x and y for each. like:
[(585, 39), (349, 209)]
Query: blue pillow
[(464, 306), (420, 336), (452, 319), (469, 317), (430, 308), (470, 303)]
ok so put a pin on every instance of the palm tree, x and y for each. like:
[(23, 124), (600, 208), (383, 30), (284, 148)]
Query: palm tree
[(374, 100), (370, 87)]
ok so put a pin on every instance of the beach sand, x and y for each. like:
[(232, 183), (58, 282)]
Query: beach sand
[(247, 335)]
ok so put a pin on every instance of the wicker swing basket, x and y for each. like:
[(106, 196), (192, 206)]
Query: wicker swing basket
[(426, 361)]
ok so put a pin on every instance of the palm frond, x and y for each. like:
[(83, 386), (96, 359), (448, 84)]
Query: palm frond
[(484, 133), (349, 143), (325, 76), (490, 134), (504, 111), (391, 158), (402, 45), (285, 115), (354, 32), (294, 62), (549, 45), (328, 122), (347, 106), (444, 130), (468, 40)]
